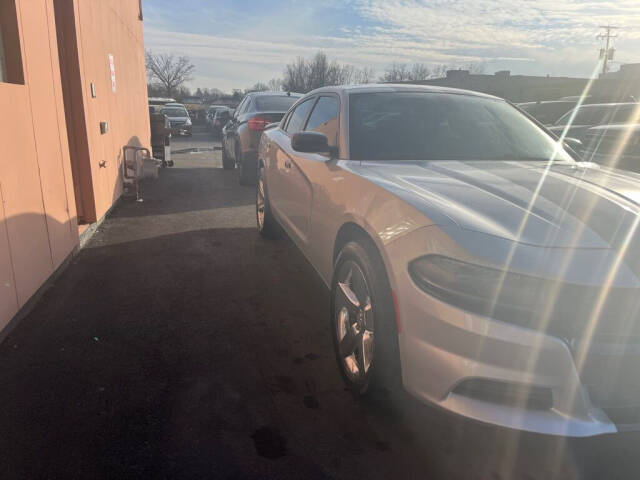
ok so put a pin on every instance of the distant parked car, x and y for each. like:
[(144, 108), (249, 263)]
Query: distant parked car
[(160, 100), (160, 137), (240, 136), (576, 98), (547, 113), (220, 118), (616, 146), (577, 121), (211, 111), (179, 118)]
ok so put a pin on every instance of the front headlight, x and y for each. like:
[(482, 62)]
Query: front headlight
[(188, 122), (509, 296)]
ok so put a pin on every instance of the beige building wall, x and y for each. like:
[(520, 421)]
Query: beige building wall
[(46, 175)]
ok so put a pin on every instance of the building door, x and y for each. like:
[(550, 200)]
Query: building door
[(72, 90)]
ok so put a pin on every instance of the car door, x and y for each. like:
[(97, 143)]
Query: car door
[(229, 130), (310, 169), (289, 186)]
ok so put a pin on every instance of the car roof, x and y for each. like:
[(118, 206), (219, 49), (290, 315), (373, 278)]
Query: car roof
[(173, 105), (390, 87), (547, 102), (617, 127), (274, 94), (607, 104)]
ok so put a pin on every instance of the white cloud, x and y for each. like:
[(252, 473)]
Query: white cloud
[(534, 37)]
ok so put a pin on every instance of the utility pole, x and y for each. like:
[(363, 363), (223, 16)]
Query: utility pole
[(607, 53)]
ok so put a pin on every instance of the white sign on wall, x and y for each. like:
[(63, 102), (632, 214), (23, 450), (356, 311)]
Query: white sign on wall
[(112, 69)]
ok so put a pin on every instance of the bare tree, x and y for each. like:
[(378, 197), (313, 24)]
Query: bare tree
[(169, 71), (257, 87), (275, 84), (419, 71), (439, 71), (181, 93), (396, 72), (296, 76), (476, 68), (400, 72), (305, 75), (364, 75)]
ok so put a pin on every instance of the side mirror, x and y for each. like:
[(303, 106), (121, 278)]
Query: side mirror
[(310, 142), (271, 125)]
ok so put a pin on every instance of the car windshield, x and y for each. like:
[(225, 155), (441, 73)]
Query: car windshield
[(174, 112), (440, 126), (600, 115), (275, 103)]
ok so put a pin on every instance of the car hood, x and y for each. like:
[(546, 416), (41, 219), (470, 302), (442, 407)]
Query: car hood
[(579, 206)]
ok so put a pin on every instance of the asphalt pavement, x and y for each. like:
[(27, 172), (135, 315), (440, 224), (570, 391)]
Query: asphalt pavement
[(180, 344)]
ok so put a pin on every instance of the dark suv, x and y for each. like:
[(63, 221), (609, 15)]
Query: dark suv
[(616, 146), (241, 135), (576, 122), (547, 113)]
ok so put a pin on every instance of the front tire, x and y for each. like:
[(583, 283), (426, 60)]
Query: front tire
[(363, 321), (267, 226)]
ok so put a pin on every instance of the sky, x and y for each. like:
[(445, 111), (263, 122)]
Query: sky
[(236, 43)]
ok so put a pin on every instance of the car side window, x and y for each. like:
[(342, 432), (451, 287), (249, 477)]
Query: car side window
[(625, 114), (324, 119), (299, 116), (240, 107)]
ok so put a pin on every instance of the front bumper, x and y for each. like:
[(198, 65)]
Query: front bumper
[(181, 129), (443, 349)]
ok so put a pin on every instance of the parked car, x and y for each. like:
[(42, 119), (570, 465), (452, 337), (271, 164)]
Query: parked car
[(616, 146), (547, 113), (576, 98), (160, 100), (463, 262), (197, 113), (221, 117), (211, 111), (160, 137), (240, 136), (576, 122), (178, 118)]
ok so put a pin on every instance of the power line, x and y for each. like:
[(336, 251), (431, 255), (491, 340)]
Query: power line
[(606, 53)]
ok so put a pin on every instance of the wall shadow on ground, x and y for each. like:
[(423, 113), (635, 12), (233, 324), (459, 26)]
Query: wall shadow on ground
[(162, 357), (174, 191)]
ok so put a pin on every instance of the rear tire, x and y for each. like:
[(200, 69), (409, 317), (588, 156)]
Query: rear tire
[(227, 163), (359, 270), (267, 225), (248, 170)]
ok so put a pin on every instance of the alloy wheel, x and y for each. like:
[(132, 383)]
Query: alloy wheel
[(260, 204), (354, 322)]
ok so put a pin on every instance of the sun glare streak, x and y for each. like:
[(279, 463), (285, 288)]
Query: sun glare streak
[(510, 454), (583, 96), (604, 293), (540, 184), (624, 138)]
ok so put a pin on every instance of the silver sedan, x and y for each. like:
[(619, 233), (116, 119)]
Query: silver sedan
[(471, 258)]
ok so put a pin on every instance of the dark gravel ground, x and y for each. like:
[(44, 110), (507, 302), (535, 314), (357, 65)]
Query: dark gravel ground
[(179, 344)]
